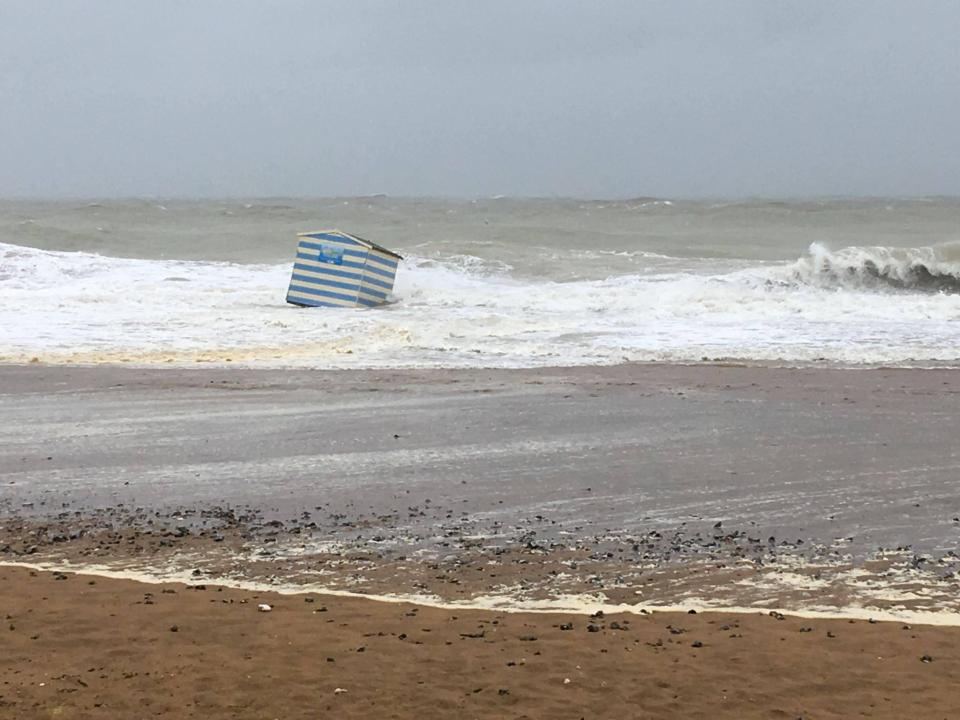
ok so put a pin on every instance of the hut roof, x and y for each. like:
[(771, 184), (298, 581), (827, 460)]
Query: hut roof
[(368, 243)]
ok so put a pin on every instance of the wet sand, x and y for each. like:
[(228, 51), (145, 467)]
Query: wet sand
[(805, 452), (779, 487), (76, 646)]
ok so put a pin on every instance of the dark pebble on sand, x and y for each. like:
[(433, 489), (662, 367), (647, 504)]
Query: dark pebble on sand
[(926, 658), (696, 644), (174, 628), (566, 626), (593, 628)]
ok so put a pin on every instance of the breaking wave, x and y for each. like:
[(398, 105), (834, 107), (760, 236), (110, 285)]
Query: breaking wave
[(927, 269)]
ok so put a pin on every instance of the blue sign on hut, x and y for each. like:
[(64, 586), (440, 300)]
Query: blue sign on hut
[(336, 269)]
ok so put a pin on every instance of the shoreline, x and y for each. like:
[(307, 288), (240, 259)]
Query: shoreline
[(211, 360)]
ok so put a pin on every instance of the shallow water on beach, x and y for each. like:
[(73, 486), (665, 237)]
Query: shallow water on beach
[(488, 283)]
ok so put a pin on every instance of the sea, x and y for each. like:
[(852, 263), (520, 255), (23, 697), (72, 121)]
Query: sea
[(487, 282)]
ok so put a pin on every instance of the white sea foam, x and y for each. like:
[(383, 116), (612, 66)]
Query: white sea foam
[(584, 604), (860, 305)]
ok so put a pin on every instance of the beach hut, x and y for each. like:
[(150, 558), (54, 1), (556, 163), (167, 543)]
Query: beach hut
[(336, 269)]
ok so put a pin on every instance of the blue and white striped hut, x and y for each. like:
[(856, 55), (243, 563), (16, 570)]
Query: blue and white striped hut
[(336, 269)]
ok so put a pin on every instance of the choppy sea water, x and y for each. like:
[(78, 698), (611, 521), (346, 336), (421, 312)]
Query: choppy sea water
[(491, 283)]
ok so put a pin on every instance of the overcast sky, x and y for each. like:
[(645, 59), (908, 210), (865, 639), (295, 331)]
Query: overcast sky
[(465, 98)]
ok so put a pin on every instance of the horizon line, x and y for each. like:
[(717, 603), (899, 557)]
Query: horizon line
[(475, 198)]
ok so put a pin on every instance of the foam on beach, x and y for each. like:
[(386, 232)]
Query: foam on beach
[(585, 604)]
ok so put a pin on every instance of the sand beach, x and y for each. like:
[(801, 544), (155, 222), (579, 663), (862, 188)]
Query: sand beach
[(805, 515)]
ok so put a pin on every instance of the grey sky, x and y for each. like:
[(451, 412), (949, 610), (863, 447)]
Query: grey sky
[(535, 97)]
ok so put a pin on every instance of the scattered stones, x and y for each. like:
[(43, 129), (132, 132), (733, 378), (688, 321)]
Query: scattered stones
[(575, 558)]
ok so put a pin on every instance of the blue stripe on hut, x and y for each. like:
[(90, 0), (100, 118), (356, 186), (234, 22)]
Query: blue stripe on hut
[(336, 269)]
